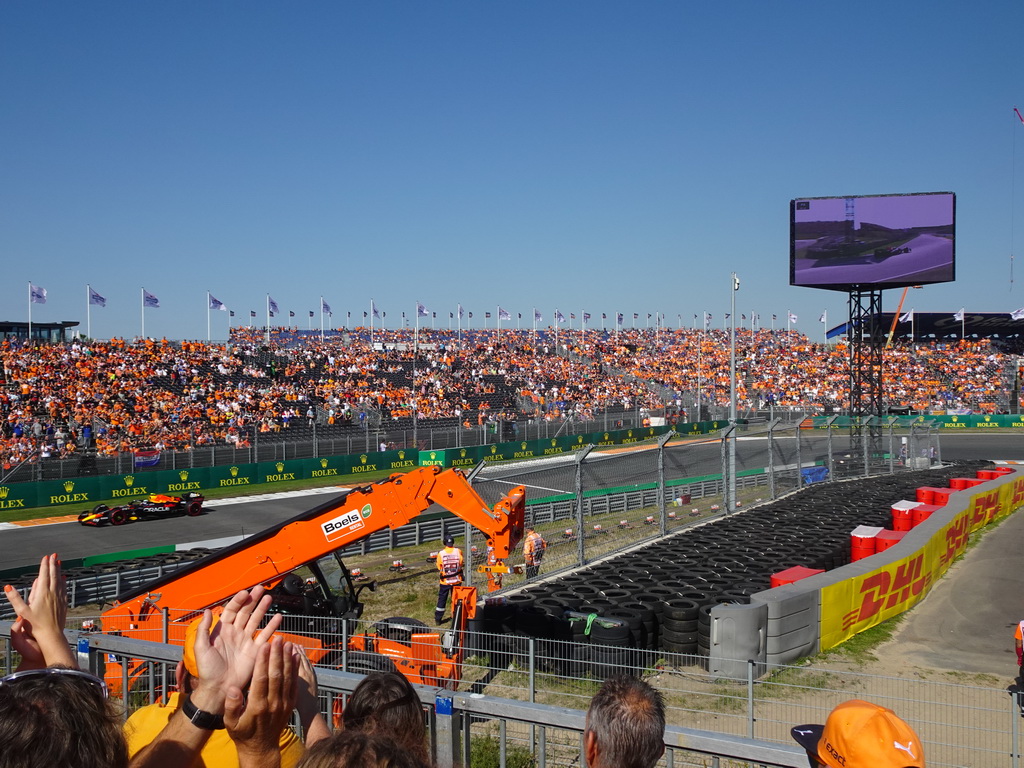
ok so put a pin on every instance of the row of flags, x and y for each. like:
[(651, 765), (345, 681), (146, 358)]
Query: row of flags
[(37, 295)]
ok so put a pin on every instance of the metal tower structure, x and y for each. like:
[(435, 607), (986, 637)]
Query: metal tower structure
[(867, 338)]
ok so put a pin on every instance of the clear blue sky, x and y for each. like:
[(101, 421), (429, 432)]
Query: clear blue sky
[(598, 156)]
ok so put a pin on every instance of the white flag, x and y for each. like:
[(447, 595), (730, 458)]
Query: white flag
[(792, 317), (421, 311), (272, 305), (823, 318), (1017, 314), (36, 294), (95, 298), (503, 315), (537, 316), (325, 307), (462, 312), (214, 304), (906, 317), (149, 300), (373, 310), (960, 315)]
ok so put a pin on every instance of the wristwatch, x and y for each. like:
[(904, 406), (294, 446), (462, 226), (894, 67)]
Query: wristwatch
[(200, 719)]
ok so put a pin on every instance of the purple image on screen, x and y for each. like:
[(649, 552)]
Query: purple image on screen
[(885, 241)]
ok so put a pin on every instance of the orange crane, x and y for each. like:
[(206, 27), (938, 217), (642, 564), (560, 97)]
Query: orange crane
[(297, 561)]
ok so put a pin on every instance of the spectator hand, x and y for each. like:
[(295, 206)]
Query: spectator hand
[(314, 726), (255, 722), (226, 656), (38, 634)]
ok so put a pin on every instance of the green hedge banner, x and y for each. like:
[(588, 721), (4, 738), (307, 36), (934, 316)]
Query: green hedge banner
[(87, 492), (952, 421)]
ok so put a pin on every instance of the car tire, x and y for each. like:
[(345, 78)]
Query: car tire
[(194, 508), (118, 517)]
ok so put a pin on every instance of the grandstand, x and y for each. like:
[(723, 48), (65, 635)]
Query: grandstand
[(89, 401)]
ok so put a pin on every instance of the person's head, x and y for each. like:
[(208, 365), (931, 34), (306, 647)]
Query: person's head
[(858, 734), (386, 703), (59, 716), (625, 725), (449, 540), (357, 749)]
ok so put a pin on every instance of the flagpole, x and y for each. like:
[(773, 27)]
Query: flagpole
[(268, 319), (321, 317), (142, 296), (207, 317), (29, 340), (371, 323), (88, 311)]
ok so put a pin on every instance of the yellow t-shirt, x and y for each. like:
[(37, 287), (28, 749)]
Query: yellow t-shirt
[(219, 752)]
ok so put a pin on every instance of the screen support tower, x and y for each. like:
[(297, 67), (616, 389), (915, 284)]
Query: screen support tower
[(866, 336)]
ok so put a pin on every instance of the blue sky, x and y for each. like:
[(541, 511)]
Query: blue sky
[(597, 156)]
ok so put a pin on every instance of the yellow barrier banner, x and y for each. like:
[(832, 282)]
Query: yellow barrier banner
[(853, 605)]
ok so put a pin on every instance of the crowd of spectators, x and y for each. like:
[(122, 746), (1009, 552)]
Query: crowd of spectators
[(239, 684), (116, 396)]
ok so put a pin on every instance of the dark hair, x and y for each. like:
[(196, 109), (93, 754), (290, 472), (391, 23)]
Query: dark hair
[(386, 703), (357, 749), (627, 717), (56, 719)]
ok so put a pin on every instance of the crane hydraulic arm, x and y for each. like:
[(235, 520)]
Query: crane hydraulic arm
[(270, 555)]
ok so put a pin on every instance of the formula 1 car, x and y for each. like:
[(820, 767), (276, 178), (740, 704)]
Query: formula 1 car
[(155, 505)]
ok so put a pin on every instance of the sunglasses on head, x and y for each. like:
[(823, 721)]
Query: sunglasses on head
[(100, 686)]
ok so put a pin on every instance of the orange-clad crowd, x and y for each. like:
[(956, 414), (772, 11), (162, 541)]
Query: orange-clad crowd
[(118, 396)]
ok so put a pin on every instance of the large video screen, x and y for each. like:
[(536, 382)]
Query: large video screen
[(884, 241)]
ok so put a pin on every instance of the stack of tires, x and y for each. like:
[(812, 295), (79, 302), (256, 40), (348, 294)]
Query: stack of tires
[(661, 597)]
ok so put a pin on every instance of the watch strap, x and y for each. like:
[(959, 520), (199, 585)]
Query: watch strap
[(208, 721)]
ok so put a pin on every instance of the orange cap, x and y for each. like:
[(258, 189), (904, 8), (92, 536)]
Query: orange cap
[(188, 655), (858, 734)]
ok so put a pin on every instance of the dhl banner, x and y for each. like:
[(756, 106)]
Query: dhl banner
[(858, 603)]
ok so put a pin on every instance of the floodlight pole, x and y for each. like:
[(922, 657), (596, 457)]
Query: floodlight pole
[(731, 499)]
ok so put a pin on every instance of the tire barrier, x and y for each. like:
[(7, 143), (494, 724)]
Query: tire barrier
[(662, 597)]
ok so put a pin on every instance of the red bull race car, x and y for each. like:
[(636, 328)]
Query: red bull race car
[(156, 505)]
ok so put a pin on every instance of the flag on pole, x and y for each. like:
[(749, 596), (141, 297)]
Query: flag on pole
[(325, 307), (572, 315), (272, 305), (960, 315), (792, 317), (707, 321), (537, 316), (95, 298), (290, 313), (906, 317), (822, 317), (503, 314), (470, 315), (487, 315), (214, 304), (373, 310), (451, 315), (149, 300), (559, 317), (461, 311), (252, 313), (311, 313), (1017, 314), (421, 311), (36, 294), (586, 316), (618, 318), (636, 315), (774, 317), (231, 313), (728, 315)]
